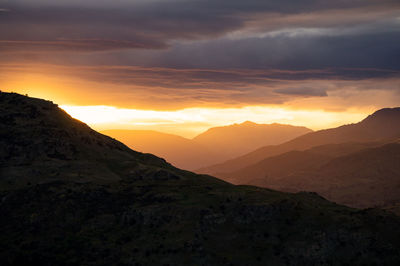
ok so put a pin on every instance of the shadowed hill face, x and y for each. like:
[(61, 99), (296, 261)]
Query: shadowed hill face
[(382, 125), (354, 174), (294, 161), (276, 166), (90, 200)]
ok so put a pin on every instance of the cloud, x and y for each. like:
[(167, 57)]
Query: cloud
[(155, 24), (304, 91), (360, 50), (74, 45), (171, 89), (185, 53)]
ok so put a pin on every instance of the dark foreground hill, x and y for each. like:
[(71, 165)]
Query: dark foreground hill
[(71, 196)]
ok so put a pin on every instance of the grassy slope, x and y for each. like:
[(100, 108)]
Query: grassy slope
[(192, 222)]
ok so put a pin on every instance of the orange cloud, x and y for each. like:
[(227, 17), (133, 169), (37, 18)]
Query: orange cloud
[(173, 89)]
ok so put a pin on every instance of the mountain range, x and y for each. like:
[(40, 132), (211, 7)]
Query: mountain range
[(356, 165), (215, 145), (70, 195)]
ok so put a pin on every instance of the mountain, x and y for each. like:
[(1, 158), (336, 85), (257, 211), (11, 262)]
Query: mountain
[(238, 139), (69, 196), (367, 178), (381, 125), (293, 161), (215, 145), (38, 140), (179, 151)]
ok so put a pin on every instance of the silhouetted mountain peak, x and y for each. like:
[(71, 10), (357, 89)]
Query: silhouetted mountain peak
[(248, 123), (384, 115), (384, 122)]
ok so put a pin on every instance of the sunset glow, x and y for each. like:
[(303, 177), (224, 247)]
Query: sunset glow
[(192, 121), (296, 63)]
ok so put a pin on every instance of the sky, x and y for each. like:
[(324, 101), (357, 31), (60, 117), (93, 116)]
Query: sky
[(182, 66)]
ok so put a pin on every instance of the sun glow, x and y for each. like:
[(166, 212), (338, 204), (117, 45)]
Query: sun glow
[(192, 121)]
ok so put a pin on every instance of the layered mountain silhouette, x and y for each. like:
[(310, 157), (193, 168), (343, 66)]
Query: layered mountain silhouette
[(382, 125), (363, 174), (215, 145), (69, 195)]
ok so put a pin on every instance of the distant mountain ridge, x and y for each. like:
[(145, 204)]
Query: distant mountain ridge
[(381, 125), (364, 174), (247, 136), (214, 145)]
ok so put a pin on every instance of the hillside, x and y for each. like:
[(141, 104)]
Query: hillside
[(275, 167), (294, 161), (69, 195), (382, 125), (40, 142), (215, 145), (359, 177)]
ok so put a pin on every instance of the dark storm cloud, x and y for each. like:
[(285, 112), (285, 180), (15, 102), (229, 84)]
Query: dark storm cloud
[(239, 80), (154, 24), (302, 91), (299, 52), (235, 79), (75, 45)]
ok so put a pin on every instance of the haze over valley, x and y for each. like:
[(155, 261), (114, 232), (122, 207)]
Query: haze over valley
[(215, 145)]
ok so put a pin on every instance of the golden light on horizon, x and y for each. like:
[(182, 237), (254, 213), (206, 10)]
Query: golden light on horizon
[(102, 108), (192, 121)]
